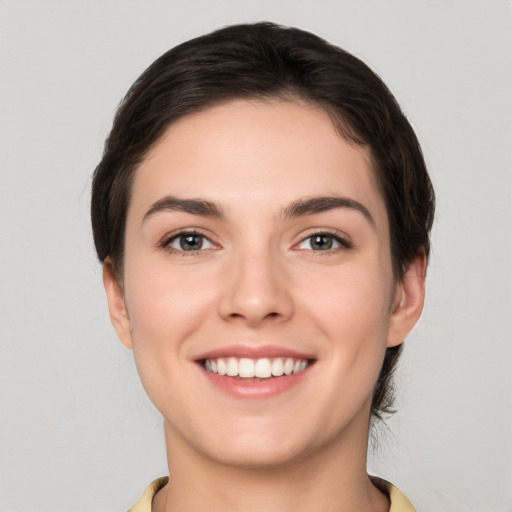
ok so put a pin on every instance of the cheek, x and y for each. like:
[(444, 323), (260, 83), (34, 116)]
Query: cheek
[(166, 311), (165, 306), (354, 299), (351, 309)]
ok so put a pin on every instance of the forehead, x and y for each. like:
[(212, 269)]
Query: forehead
[(257, 153)]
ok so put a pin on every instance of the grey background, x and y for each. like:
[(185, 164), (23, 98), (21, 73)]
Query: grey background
[(76, 431)]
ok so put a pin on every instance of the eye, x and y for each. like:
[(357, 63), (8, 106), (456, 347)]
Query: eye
[(323, 242), (189, 242)]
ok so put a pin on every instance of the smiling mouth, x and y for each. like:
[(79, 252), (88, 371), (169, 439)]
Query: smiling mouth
[(263, 368)]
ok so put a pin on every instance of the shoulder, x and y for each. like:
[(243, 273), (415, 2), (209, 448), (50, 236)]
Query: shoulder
[(398, 500), (144, 503)]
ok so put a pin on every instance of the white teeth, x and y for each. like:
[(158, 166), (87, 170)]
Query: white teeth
[(263, 368), (246, 368), (277, 367), (232, 367), (221, 367)]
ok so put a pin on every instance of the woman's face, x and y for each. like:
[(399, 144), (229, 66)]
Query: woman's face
[(257, 244)]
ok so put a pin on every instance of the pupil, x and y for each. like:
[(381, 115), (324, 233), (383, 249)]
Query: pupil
[(191, 242), (320, 242)]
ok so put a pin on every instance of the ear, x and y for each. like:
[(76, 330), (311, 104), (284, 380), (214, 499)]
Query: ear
[(116, 306), (408, 301)]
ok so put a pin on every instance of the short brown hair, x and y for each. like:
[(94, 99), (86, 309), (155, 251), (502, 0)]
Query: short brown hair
[(264, 60)]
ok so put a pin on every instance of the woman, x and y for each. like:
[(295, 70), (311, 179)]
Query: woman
[(262, 211)]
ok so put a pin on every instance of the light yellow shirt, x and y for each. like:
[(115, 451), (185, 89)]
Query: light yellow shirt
[(399, 503)]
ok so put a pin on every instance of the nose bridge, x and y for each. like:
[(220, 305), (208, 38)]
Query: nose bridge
[(256, 288)]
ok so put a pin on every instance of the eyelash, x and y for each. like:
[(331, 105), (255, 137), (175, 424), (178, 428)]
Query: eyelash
[(165, 244), (334, 237), (344, 243)]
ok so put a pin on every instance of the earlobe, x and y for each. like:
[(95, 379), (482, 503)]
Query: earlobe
[(116, 305), (408, 303)]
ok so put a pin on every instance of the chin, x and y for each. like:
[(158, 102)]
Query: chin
[(251, 443), (266, 444), (262, 454)]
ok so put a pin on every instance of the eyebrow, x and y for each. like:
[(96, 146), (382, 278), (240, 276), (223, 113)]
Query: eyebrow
[(299, 208), (310, 206), (193, 206)]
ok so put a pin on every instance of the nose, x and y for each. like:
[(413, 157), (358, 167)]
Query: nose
[(258, 291)]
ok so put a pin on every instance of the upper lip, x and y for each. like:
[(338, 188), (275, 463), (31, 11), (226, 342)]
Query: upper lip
[(252, 352)]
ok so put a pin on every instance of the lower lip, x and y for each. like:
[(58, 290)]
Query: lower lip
[(255, 389)]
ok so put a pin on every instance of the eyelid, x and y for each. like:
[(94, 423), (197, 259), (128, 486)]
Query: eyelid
[(342, 238), (168, 238)]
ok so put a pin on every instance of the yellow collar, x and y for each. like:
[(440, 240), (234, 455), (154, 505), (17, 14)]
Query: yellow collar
[(399, 503)]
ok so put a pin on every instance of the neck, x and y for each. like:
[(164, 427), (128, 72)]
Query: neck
[(333, 479)]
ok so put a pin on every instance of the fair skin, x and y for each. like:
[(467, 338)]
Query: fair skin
[(265, 271)]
